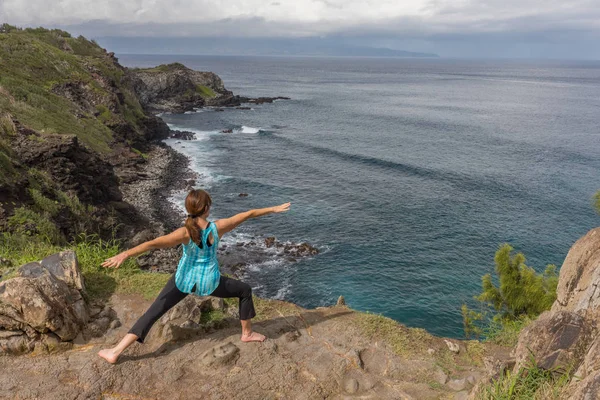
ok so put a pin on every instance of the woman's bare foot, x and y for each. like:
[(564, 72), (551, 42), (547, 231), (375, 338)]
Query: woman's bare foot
[(253, 337), (109, 355)]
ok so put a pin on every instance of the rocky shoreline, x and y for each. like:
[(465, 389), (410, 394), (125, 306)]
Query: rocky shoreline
[(166, 172)]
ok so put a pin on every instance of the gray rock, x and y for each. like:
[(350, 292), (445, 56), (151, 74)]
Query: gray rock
[(354, 355), (341, 301), (556, 339), (453, 347), (44, 302), (471, 380), (65, 267)]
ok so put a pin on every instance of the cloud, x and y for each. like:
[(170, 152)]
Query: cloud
[(291, 18)]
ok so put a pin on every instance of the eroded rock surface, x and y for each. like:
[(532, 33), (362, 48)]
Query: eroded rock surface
[(309, 354)]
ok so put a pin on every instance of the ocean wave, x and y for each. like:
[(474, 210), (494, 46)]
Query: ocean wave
[(249, 129), (200, 135), (465, 181)]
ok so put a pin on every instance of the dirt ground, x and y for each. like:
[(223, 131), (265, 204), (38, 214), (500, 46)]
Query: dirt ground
[(325, 353)]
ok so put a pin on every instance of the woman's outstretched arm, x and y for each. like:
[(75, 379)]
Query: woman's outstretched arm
[(172, 239), (228, 224)]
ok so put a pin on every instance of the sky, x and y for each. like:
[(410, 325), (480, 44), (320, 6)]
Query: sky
[(450, 28)]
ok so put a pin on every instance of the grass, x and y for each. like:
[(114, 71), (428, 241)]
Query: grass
[(402, 340), (139, 153), (506, 333), (162, 68), (475, 352), (205, 91), (529, 383), (268, 309), (100, 282)]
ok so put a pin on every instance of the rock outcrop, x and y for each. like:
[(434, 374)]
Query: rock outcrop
[(176, 88), (565, 339), (45, 308)]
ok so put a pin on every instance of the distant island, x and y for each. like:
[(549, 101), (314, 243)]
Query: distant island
[(326, 47)]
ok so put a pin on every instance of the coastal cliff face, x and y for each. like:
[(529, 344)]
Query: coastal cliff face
[(176, 88), (72, 132)]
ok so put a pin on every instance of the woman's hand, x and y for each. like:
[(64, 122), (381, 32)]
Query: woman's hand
[(282, 208), (116, 261)]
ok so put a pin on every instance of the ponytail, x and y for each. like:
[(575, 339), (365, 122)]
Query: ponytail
[(197, 203)]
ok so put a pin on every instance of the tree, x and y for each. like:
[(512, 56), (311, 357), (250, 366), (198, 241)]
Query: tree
[(521, 292)]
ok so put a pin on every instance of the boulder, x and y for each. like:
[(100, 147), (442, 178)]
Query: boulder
[(44, 308), (65, 267), (45, 297), (556, 340), (183, 135), (577, 289)]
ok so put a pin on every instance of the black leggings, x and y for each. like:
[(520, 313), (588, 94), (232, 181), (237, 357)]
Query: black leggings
[(170, 296)]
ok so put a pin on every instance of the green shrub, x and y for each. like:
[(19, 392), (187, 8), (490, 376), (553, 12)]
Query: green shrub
[(522, 294), (139, 153), (104, 114), (521, 291), (43, 203)]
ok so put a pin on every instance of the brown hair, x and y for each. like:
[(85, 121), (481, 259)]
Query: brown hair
[(197, 203)]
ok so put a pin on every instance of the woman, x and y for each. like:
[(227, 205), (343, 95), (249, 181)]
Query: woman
[(197, 271)]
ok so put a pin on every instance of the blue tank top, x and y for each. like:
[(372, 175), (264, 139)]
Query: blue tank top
[(198, 268)]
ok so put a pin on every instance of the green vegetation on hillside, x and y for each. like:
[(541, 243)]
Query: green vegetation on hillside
[(162, 68), (596, 201), (54, 83)]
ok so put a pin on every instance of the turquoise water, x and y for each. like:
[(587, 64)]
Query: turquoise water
[(407, 174)]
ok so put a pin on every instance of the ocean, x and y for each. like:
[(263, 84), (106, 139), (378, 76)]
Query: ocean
[(407, 174)]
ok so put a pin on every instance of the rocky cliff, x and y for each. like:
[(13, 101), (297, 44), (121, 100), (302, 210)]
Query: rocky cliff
[(176, 88), (565, 339), (71, 127)]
